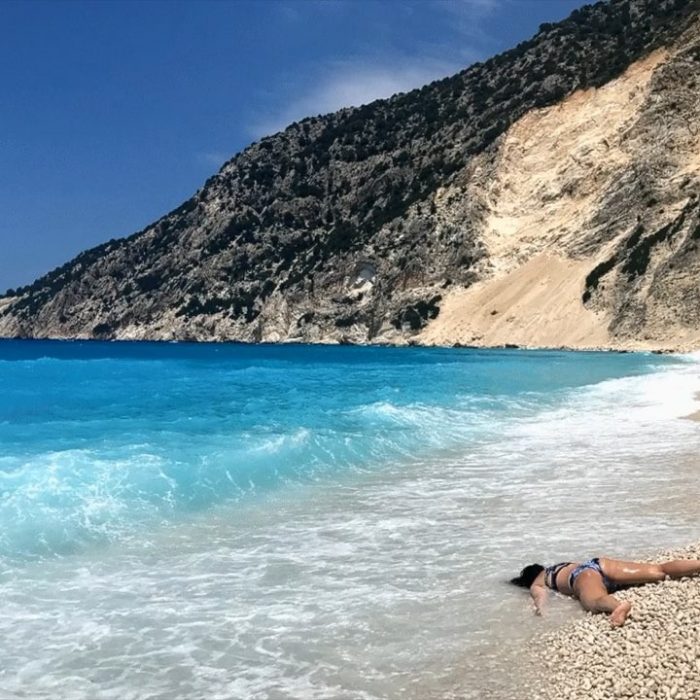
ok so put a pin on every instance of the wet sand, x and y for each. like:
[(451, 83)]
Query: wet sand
[(655, 655), (695, 416)]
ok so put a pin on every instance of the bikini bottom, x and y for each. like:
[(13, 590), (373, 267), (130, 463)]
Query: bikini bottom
[(593, 565)]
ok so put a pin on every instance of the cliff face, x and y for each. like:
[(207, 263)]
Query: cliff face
[(591, 218), (546, 197)]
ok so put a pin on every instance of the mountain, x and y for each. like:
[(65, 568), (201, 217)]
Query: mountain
[(548, 196)]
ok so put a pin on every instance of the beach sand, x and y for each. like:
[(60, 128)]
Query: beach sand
[(655, 655), (695, 416)]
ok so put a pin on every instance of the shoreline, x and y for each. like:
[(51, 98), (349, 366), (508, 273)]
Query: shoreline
[(695, 416), (655, 655), (621, 349)]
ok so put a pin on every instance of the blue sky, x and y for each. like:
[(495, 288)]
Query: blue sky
[(113, 113)]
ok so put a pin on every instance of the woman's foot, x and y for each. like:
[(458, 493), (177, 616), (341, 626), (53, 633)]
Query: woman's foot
[(620, 613)]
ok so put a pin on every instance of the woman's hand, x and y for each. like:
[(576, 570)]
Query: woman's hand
[(539, 596)]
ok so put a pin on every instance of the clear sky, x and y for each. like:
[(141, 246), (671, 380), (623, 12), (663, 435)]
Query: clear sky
[(113, 113)]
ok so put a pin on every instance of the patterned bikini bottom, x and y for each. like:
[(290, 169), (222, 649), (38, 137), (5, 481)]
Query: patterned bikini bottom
[(593, 565)]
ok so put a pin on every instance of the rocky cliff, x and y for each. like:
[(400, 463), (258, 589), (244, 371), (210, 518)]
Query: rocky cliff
[(548, 196)]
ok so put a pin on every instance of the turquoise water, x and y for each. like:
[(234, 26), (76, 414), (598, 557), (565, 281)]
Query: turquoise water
[(181, 520), (101, 440)]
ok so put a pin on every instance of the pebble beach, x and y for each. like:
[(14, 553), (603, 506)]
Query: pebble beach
[(655, 655)]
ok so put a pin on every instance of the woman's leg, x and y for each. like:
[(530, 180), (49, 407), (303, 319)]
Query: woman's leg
[(633, 573), (681, 567), (594, 596)]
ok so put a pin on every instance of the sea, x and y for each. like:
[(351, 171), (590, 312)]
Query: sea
[(225, 521)]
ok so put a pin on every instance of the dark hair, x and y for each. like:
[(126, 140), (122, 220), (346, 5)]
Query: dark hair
[(527, 575)]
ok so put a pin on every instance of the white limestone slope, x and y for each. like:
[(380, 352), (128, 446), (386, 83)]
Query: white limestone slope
[(559, 193)]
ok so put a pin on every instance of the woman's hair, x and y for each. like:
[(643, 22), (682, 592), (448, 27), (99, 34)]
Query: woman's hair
[(528, 575)]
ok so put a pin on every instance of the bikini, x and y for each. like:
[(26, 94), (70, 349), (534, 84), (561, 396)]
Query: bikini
[(593, 565), (551, 572)]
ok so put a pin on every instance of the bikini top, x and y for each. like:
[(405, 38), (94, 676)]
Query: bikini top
[(550, 574)]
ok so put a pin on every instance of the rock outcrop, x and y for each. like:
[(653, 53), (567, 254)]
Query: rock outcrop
[(548, 196)]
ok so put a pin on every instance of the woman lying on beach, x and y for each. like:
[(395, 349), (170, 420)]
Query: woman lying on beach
[(594, 580)]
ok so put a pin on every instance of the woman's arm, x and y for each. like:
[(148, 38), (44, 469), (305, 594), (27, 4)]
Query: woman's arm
[(539, 596)]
